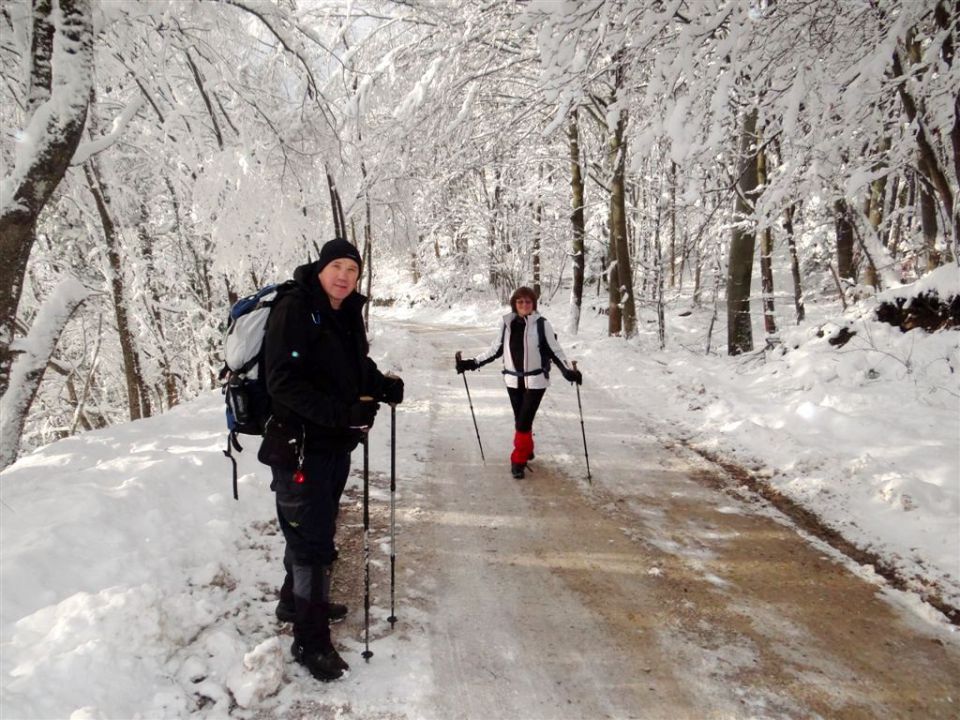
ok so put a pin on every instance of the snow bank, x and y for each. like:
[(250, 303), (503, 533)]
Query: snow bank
[(120, 563)]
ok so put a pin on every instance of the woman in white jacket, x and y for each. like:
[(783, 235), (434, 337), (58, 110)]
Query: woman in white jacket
[(528, 345)]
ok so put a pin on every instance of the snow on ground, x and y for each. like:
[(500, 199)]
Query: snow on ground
[(132, 583)]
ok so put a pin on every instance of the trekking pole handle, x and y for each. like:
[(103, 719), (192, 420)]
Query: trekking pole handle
[(363, 428), (574, 363), (391, 376)]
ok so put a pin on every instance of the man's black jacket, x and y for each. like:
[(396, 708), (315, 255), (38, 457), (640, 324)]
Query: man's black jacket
[(316, 363)]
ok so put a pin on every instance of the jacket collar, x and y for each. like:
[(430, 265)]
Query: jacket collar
[(532, 317)]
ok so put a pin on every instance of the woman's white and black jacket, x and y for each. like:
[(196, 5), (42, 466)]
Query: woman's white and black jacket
[(536, 358)]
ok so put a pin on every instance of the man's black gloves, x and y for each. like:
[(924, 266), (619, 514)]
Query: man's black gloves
[(574, 376), (392, 392), (468, 364), (362, 413)]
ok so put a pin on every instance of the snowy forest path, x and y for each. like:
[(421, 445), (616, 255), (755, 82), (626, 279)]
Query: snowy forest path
[(651, 593)]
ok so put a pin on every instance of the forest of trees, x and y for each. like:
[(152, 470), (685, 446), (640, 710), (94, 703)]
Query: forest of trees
[(162, 158)]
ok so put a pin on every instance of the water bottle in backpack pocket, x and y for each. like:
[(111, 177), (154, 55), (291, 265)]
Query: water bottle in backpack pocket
[(248, 406)]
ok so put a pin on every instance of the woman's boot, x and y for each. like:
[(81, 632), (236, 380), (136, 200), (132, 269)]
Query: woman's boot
[(522, 447)]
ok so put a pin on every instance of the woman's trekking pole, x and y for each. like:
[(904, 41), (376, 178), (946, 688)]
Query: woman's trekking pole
[(583, 431), (393, 507), (470, 400), (367, 654)]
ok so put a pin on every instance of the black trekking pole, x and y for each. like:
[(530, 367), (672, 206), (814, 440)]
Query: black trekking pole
[(367, 653), (470, 400), (393, 507), (586, 455)]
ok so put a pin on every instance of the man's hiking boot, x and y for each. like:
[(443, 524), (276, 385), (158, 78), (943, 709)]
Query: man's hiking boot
[(516, 469), (286, 612), (324, 666)]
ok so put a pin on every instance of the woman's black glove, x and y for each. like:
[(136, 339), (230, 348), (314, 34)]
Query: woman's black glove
[(361, 414), (468, 364), (392, 392), (574, 376)]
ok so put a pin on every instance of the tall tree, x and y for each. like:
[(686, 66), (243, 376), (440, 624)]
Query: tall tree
[(798, 303), (742, 242), (766, 258), (619, 245), (60, 74), (577, 221), (843, 224)]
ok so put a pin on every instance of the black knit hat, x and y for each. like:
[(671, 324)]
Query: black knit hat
[(339, 248)]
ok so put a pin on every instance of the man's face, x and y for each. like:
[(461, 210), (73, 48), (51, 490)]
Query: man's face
[(338, 279)]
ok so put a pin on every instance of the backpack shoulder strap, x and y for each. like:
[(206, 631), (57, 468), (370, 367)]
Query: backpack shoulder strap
[(544, 348), (546, 352), (292, 287)]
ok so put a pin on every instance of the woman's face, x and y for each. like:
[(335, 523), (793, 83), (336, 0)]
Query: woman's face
[(524, 306)]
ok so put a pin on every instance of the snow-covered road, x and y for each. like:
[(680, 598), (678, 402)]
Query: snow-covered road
[(649, 593)]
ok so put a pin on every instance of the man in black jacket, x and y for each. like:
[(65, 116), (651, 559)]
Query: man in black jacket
[(324, 393)]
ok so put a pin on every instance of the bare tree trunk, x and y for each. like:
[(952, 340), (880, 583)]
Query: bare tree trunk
[(844, 229), (878, 194), (766, 281), (698, 251), (618, 216), (794, 263), (137, 397), (614, 311), (494, 208), (336, 209), (717, 277), (579, 224), (742, 244), (367, 246), (684, 259), (894, 213), (697, 272), (168, 378), (928, 218), (673, 225), (659, 273), (79, 414), (57, 133), (648, 280), (368, 263), (537, 219), (766, 260)]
